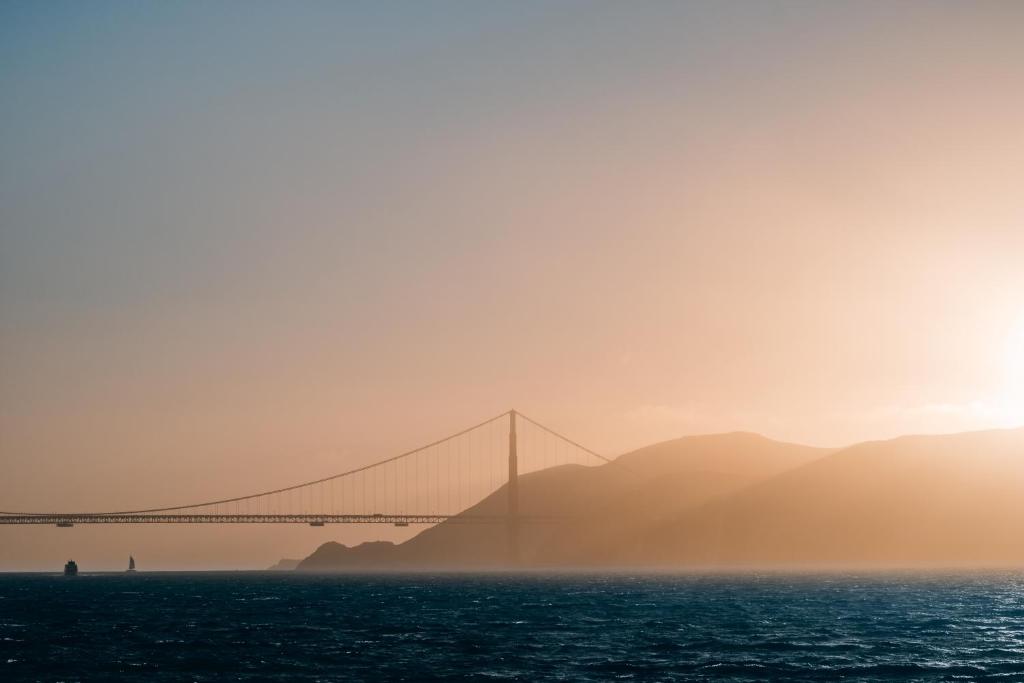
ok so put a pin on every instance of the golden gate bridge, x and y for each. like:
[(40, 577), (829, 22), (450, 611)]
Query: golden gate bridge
[(438, 482)]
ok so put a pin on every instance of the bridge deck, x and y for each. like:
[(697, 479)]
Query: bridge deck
[(72, 519)]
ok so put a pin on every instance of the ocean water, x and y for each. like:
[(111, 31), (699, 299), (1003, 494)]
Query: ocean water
[(272, 626)]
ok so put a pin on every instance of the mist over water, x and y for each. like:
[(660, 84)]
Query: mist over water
[(260, 626)]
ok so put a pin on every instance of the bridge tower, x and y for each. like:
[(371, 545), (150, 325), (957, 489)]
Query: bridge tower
[(513, 492)]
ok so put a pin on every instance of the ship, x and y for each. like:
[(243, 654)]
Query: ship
[(71, 568), (131, 565)]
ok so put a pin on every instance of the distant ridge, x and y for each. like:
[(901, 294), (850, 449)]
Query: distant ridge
[(948, 500), (741, 500), (608, 504), (284, 565)]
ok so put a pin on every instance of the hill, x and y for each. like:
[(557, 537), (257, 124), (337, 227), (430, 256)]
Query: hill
[(741, 500), (605, 506), (284, 564), (952, 500)]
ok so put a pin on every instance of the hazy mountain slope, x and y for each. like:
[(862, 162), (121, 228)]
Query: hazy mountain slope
[(738, 453), (678, 475), (284, 564), (606, 507), (939, 500)]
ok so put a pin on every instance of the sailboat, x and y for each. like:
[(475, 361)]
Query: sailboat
[(131, 564)]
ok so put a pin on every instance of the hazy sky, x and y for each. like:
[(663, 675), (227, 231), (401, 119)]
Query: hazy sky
[(248, 244)]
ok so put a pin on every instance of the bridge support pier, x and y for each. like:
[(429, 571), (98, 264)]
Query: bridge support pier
[(513, 493)]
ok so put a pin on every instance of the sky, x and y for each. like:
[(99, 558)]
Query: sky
[(249, 244)]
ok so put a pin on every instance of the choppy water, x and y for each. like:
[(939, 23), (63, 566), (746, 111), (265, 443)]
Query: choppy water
[(259, 626)]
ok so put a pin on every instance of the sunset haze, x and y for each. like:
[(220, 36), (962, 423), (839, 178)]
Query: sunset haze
[(243, 247)]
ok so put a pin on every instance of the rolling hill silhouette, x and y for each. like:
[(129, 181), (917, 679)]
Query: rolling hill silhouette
[(739, 500), (954, 500)]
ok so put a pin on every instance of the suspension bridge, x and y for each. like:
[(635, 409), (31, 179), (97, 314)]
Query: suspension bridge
[(438, 482)]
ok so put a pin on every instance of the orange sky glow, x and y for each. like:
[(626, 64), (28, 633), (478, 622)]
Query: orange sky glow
[(225, 268)]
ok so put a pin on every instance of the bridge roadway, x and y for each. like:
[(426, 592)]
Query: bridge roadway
[(68, 520)]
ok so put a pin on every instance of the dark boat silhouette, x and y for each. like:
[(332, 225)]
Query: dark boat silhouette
[(71, 568), (131, 565)]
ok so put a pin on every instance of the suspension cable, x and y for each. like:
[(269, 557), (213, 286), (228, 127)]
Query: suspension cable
[(364, 469), (280, 490), (564, 438)]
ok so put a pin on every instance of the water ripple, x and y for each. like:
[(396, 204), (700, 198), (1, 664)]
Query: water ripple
[(257, 626)]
